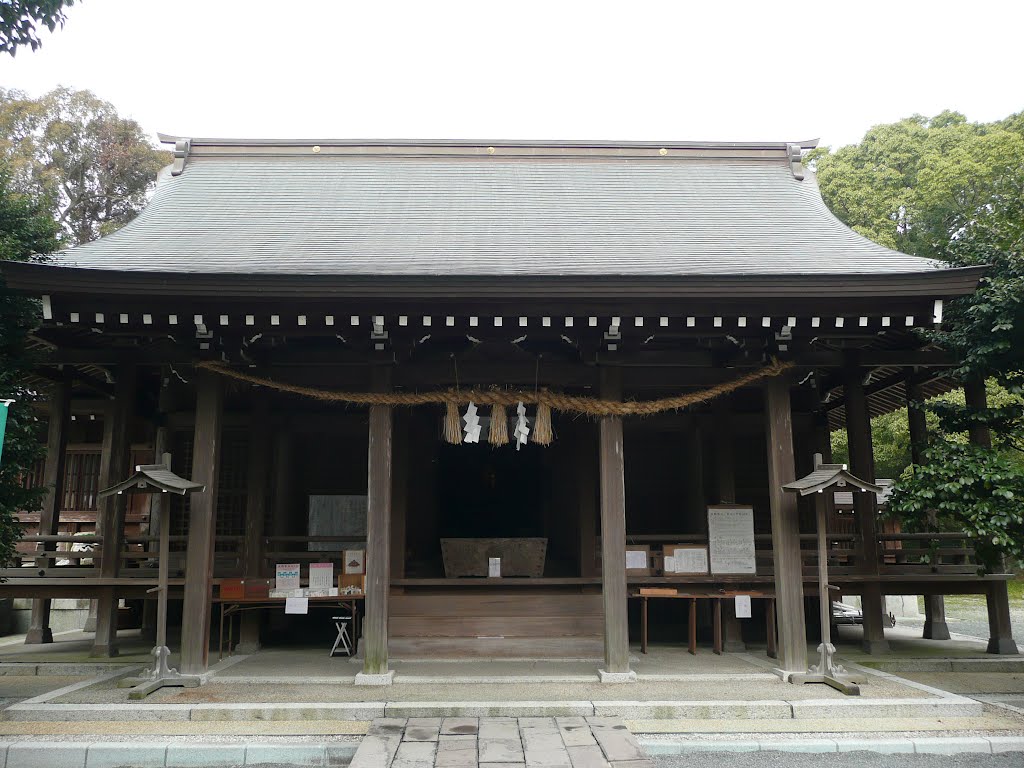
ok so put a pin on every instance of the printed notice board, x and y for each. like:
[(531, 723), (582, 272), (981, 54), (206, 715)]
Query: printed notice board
[(731, 539)]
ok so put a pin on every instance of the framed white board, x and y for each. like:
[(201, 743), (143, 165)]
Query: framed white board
[(731, 540)]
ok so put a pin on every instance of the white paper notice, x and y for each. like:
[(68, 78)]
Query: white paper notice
[(321, 575), (742, 606), (731, 539), (494, 567), (296, 605), (689, 560), (670, 564), (636, 558), (288, 576)]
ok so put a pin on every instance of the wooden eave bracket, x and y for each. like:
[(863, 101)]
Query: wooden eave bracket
[(796, 161), (181, 148)]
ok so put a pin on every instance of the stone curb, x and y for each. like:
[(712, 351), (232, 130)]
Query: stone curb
[(44, 754), (287, 711), (945, 665), (921, 746), (60, 669), (701, 710), (488, 708), (949, 706)]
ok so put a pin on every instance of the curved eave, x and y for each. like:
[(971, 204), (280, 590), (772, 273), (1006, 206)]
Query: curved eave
[(36, 278)]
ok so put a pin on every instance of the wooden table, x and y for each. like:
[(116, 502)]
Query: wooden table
[(230, 606), (716, 616)]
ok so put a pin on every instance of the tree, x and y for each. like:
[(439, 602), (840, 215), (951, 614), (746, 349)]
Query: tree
[(19, 20), (26, 229), (93, 167), (951, 190)]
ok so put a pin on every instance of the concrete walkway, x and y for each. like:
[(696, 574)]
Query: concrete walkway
[(500, 742)]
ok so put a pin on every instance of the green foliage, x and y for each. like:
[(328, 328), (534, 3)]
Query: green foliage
[(25, 229), (19, 20), (947, 189), (969, 488), (93, 167)]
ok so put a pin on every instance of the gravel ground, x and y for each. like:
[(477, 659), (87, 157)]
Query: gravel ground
[(720, 690), (15, 688), (970, 682)]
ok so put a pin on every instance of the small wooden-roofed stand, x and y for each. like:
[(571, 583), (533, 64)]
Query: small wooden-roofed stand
[(158, 478), (824, 478)]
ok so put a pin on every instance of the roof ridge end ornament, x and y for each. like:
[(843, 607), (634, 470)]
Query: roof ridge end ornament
[(181, 149), (796, 160)]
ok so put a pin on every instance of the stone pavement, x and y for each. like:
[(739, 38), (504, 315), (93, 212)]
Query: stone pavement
[(500, 742)]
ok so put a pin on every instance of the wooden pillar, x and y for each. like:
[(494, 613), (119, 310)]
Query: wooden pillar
[(257, 490), (935, 627), (725, 485), (49, 514), (997, 598), (202, 524), (378, 539), (789, 588), (112, 508), (862, 464), (159, 503), (613, 534)]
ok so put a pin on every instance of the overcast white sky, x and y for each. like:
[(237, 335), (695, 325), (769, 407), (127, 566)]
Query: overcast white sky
[(533, 70)]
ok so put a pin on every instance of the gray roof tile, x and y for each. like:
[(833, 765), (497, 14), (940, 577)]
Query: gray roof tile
[(406, 215)]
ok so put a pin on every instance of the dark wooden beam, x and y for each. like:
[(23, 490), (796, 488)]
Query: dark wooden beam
[(587, 495), (977, 400), (202, 525), (792, 646), (53, 481), (112, 508), (257, 490), (862, 464)]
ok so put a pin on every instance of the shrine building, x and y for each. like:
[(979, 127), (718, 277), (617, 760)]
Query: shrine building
[(650, 334)]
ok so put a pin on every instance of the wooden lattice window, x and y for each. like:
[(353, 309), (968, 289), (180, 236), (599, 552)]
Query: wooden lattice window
[(231, 486), (81, 480)]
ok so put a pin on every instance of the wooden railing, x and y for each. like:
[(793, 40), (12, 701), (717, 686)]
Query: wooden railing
[(923, 553), (900, 553), (911, 554)]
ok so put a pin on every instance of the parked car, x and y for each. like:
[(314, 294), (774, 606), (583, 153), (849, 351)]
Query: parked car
[(844, 613)]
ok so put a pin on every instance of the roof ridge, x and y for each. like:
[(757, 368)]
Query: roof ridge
[(574, 144)]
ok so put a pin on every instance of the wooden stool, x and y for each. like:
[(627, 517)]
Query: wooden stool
[(342, 641)]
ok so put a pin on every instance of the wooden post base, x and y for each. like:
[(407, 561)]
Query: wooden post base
[(842, 683)]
